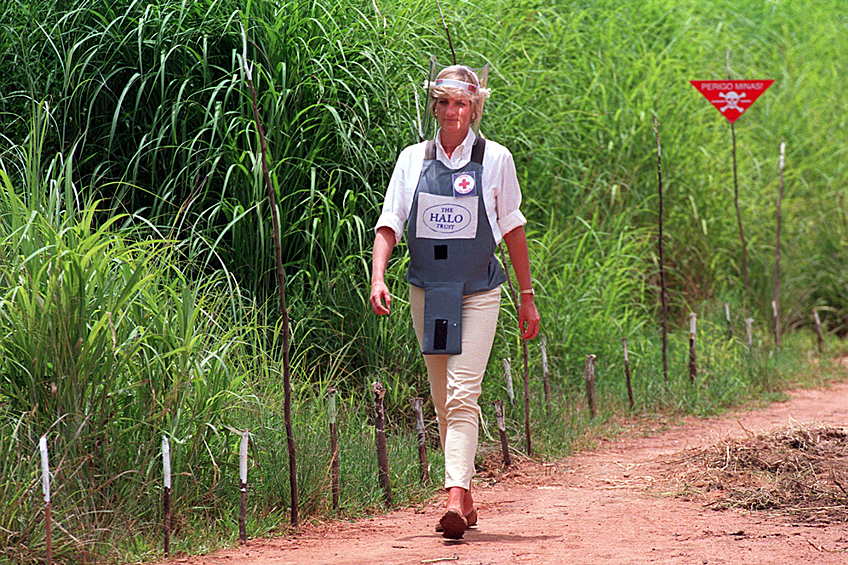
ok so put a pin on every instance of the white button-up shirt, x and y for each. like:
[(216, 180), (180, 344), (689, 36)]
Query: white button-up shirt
[(501, 193)]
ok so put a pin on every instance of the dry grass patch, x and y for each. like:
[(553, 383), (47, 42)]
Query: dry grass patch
[(799, 471)]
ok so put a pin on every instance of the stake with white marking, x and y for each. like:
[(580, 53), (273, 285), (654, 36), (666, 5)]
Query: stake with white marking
[(245, 439), (627, 372), (510, 392), (45, 487), (819, 339), (499, 417), (748, 322), (590, 383), (727, 317), (166, 492)]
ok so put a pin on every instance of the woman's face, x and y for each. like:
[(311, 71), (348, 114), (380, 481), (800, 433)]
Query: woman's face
[(454, 114)]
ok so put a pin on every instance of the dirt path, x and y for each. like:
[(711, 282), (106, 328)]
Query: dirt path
[(602, 506)]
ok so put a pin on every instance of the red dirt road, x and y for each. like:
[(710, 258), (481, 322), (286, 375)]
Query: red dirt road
[(602, 506)]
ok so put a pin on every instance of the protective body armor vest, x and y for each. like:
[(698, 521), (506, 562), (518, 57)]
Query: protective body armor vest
[(451, 246)]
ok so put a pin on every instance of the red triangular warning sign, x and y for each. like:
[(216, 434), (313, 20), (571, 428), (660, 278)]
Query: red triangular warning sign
[(731, 97)]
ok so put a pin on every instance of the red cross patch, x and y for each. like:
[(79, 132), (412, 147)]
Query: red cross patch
[(464, 184)]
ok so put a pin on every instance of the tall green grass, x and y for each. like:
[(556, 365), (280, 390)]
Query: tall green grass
[(136, 264)]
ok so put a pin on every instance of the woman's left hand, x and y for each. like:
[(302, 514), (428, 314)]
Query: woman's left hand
[(528, 318)]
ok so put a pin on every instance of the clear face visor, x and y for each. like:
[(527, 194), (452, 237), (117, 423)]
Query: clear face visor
[(426, 120)]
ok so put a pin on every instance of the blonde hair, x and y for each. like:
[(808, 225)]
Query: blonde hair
[(463, 74)]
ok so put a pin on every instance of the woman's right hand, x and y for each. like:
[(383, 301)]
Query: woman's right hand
[(381, 298)]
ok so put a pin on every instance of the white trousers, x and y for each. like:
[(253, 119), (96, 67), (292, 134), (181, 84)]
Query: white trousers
[(456, 380)]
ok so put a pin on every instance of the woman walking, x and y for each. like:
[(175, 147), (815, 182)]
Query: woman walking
[(458, 196)]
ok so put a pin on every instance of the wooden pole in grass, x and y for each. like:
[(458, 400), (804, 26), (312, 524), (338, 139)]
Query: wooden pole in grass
[(543, 346), (499, 417), (447, 31), (380, 435), (819, 339), (729, 324), (166, 492), (510, 392), (245, 439), (663, 294), (590, 383), (748, 322), (45, 488), (417, 409), (776, 321), (627, 372), (736, 203), (332, 416), (776, 303), (527, 441), (692, 365), (525, 354), (281, 285)]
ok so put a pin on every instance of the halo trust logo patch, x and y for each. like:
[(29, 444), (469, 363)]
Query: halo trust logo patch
[(447, 218), (464, 184)]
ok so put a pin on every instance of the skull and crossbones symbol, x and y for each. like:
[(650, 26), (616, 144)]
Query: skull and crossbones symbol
[(731, 100)]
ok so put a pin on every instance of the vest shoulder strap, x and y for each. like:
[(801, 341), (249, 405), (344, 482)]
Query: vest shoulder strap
[(477, 150), (430, 150)]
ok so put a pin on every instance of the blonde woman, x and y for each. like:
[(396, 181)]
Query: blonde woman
[(458, 197)]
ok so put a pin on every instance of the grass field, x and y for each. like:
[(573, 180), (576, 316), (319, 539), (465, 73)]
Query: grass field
[(137, 287)]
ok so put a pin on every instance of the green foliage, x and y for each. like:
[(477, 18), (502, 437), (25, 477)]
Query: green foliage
[(136, 270)]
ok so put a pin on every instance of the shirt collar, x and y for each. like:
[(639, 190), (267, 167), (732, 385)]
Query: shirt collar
[(461, 155)]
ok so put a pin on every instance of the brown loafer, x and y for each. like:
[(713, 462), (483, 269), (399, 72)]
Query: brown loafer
[(470, 519), (453, 524)]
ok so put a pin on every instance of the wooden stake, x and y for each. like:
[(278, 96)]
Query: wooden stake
[(590, 383), (776, 316), (45, 488), (281, 284), (332, 416), (417, 408), (499, 417), (627, 372), (527, 441), (245, 439), (508, 378), (736, 203), (819, 339), (663, 295), (380, 435), (543, 345), (48, 541), (515, 302), (692, 366), (166, 492), (776, 303), (748, 322), (447, 31), (729, 324)]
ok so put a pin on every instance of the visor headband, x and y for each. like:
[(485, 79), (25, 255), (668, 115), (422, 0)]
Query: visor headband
[(468, 87)]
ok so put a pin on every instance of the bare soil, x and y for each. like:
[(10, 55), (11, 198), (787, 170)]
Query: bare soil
[(659, 493)]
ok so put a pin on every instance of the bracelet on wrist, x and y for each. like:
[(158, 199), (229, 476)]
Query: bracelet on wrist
[(529, 291)]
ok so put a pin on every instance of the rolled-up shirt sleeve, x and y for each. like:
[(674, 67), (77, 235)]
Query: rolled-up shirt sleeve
[(508, 196), (398, 200)]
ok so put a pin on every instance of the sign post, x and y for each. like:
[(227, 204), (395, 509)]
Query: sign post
[(732, 98)]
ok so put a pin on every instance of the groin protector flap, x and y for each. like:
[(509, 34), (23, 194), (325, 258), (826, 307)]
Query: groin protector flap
[(442, 318)]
